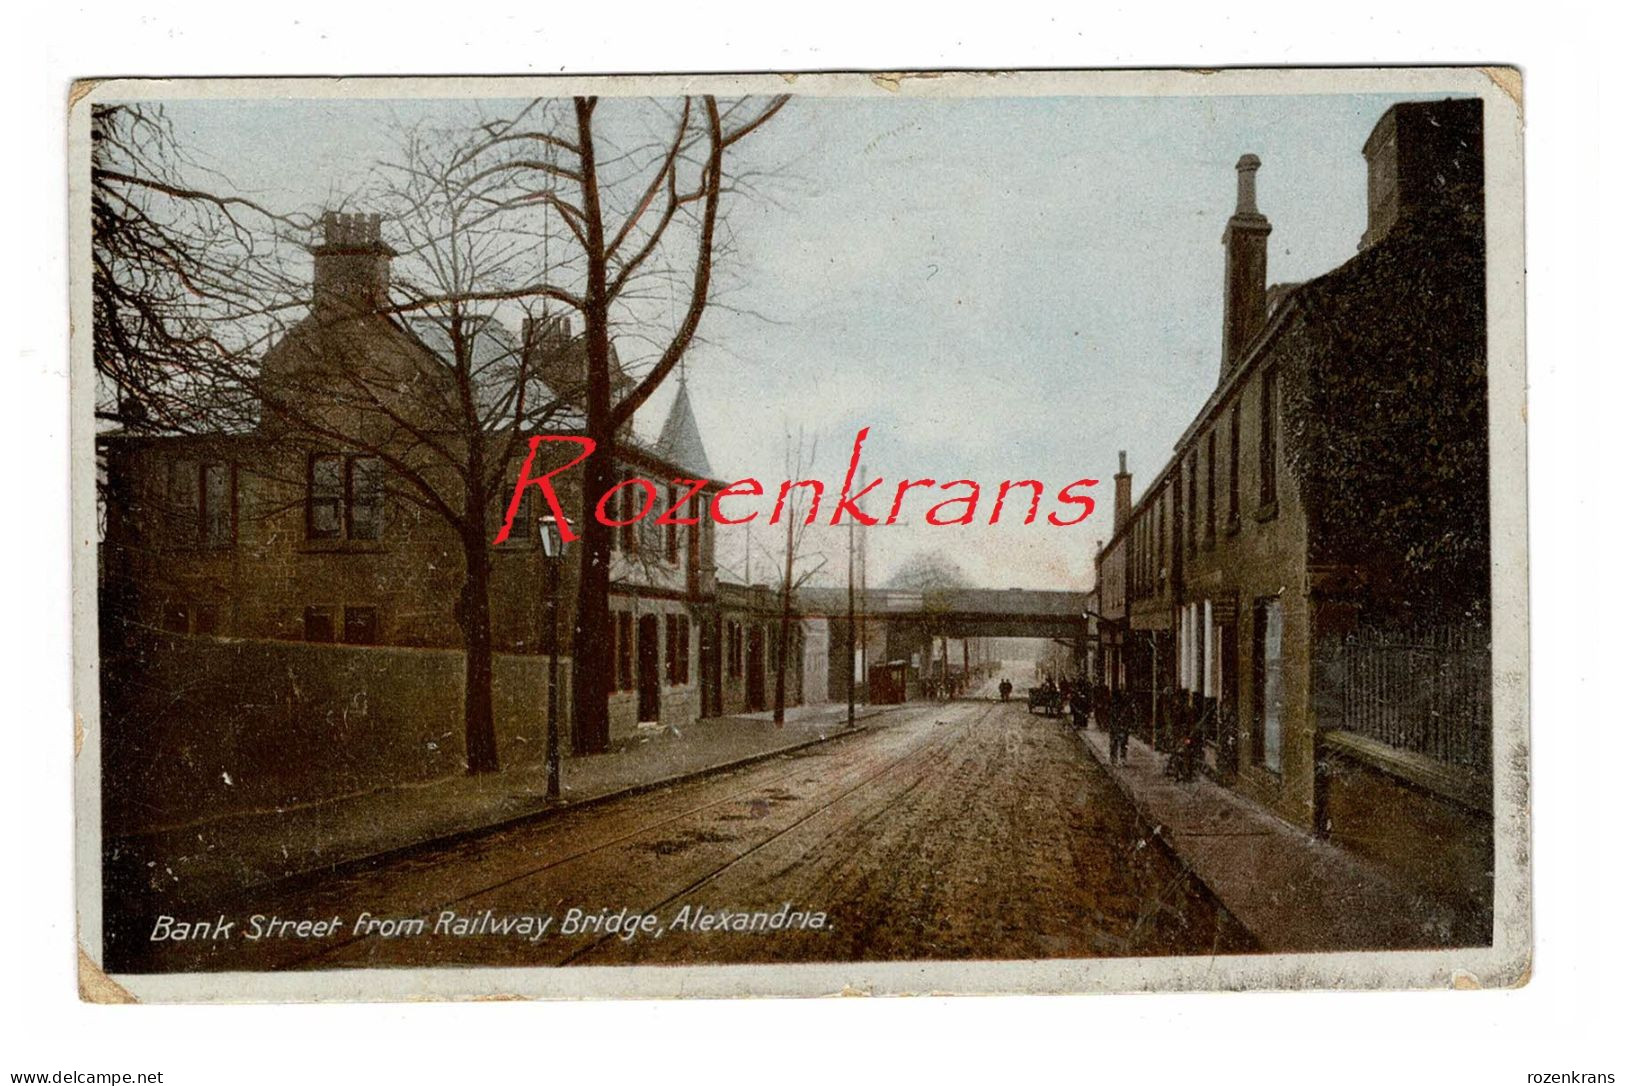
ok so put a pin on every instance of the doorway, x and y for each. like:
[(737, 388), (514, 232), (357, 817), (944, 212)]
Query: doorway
[(755, 673), (1267, 692), (648, 668), (710, 667), (1229, 724)]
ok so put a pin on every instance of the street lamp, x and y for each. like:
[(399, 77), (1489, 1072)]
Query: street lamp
[(553, 546)]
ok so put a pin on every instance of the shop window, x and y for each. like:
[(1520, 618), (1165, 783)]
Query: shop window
[(1267, 692)]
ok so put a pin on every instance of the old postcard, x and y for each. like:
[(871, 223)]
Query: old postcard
[(800, 534)]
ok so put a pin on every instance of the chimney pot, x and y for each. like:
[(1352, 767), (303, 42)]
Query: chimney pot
[(1246, 184), (352, 262)]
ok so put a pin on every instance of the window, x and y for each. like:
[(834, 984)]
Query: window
[(181, 501), (736, 650), (344, 497), (202, 503), (1266, 438), (174, 618), (218, 515), (522, 519), (678, 633), (623, 649), (324, 497), (672, 547), (1190, 501), (361, 625), (1160, 515), (365, 492), (640, 498), (628, 498), (671, 650), (319, 624), (684, 632), (1267, 691), (1212, 495), (1235, 465), (206, 619)]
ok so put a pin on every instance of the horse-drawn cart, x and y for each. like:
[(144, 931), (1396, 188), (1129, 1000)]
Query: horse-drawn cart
[(1044, 700)]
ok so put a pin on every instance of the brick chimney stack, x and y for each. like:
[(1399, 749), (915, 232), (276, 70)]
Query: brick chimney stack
[(1246, 244), (352, 264), (1423, 155), (1123, 498)]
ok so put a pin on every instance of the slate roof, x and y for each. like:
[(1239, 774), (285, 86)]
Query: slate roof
[(679, 440)]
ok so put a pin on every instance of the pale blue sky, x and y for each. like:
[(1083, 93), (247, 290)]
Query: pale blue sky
[(999, 288)]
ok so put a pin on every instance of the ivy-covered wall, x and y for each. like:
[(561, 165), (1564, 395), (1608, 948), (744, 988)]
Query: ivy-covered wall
[(1384, 407)]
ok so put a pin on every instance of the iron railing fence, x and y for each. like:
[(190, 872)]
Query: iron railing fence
[(1425, 690)]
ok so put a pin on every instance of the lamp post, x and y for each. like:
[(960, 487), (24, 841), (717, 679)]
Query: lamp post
[(552, 542)]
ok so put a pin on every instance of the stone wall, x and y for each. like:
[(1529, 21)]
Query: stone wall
[(197, 727), (1442, 846)]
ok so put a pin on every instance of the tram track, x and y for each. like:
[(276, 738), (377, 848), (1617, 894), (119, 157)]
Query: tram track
[(936, 752), (929, 745)]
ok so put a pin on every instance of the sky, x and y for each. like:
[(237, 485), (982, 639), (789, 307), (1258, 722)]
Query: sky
[(998, 288)]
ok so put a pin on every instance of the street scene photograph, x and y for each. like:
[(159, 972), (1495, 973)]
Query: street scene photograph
[(833, 522)]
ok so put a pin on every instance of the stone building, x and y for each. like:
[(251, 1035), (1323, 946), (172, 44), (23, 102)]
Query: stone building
[(748, 632), (1305, 583), (292, 563)]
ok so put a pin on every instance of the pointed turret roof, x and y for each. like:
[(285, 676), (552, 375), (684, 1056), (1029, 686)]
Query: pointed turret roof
[(680, 437)]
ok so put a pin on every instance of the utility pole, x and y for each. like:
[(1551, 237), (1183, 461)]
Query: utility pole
[(851, 625), (784, 619), (863, 618)]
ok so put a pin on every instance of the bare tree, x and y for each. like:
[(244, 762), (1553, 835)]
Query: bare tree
[(933, 575), (418, 374), (640, 195), (799, 568), (189, 281)]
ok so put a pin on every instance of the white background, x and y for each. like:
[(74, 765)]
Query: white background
[(1566, 1019)]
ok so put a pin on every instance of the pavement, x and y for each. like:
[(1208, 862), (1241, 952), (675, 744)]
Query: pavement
[(197, 863), (1291, 890)]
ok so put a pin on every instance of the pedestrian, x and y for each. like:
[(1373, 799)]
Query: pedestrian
[(1080, 706), (1118, 722)]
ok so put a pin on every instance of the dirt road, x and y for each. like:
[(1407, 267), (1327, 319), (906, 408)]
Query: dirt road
[(952, 831)]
